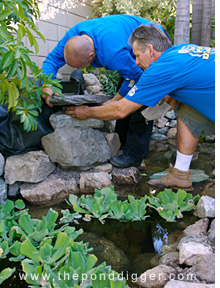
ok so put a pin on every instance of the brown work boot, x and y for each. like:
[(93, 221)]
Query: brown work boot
[(174, 179)]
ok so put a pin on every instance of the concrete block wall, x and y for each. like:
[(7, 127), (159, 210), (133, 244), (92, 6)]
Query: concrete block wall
[(55, 20)]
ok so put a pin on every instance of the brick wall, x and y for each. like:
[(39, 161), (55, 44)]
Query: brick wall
[(57, 16)]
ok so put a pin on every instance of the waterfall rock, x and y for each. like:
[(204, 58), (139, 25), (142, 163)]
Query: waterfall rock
[(77, 148)]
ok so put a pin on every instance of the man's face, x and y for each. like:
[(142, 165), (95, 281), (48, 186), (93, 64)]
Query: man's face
[(143, 59)]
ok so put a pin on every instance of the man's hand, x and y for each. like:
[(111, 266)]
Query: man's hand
[(171, 101), (79, 112), (46, 97)]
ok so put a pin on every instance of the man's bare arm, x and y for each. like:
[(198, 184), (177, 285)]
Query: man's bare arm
[(113, 110)]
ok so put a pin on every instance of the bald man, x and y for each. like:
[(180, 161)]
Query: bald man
[(103, 42)]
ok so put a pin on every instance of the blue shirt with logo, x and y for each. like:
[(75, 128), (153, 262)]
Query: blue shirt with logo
[(110, 35), (186, 72)]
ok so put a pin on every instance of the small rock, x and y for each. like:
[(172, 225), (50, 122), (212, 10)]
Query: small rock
[(156, 277), (183, 284), (197, 228), (31, 167), (14, 189), (2, 164), (104, 167), (172, 132), (158, 137), (205, 207), (210, 138), (161, 123), (113, 142), (91, 180), (205, 268), (3, 191), (211, 232), (188, 252), (170, 259), (172, 124), (171, 115), (125, 176)]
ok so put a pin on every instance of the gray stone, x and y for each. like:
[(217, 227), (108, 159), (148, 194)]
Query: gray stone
[(107, 167), (96, 89), (211, 232), (61, 120), (170, 259), (14, 189), (91, 80), (205, 207), (91, 180), (57, 186), (172, 133), (106, 251), (171, 115), (153, 113), (158, 137), (31, 167), (156, 277), (183, 284), (200, 226), (197, 238), (3, 191), (162, 130), (2, 164), (125, 176), (161, 122), (205, 268), (189, 252), (113, 142), (72, 99), (172, 124), (76, 148)]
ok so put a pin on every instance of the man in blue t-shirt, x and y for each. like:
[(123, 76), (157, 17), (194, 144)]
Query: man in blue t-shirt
[(186, 72), (103, 42)]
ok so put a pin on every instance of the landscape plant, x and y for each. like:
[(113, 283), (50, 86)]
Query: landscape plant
[(21, 93)]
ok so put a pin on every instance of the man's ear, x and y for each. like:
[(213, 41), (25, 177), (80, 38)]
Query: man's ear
[(150, 49)]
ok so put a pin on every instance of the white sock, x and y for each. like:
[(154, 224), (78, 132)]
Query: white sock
[(183, 161)]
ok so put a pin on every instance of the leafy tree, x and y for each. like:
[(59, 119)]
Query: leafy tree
[(160, 11), (17, 90)]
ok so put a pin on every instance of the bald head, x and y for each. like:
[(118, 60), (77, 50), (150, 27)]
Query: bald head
[(79, 51)]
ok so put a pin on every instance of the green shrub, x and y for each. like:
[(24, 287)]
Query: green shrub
[(17, 90)]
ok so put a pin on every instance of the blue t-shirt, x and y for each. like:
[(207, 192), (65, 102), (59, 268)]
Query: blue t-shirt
[(110, 35), (186, 72)]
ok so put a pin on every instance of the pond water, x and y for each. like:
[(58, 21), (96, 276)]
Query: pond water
[(140, 243)]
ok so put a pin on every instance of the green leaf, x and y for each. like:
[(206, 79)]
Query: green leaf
[(30, 251), (51, 218), (26, 223), (19, 204), (7, 59), (5, 13), (12, 69), (61, 244), (90, 262), (6, 273)]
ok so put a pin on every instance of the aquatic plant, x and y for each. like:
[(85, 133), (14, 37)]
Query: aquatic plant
[(170, 205), (105, 204)]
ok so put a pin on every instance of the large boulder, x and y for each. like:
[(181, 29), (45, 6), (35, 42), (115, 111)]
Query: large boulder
[(32, 167), (76, 148)]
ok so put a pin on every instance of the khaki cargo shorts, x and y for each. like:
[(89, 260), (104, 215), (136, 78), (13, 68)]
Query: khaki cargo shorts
[(196, 122)]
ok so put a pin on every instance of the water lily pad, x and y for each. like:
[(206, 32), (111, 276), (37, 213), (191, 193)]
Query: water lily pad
[(196, 176)]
